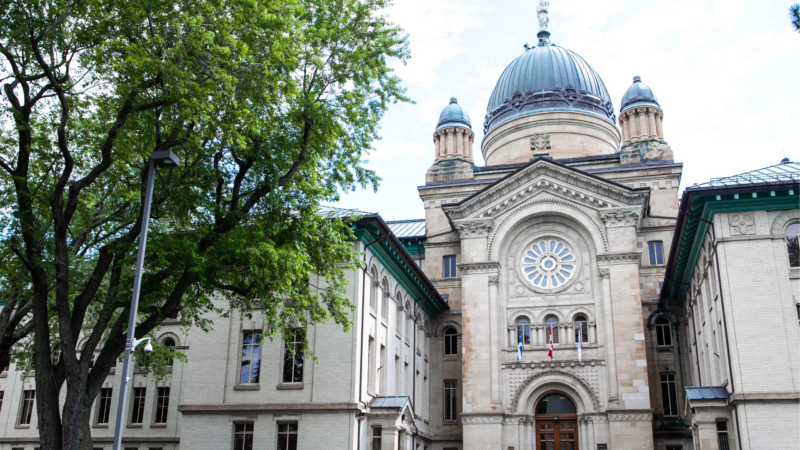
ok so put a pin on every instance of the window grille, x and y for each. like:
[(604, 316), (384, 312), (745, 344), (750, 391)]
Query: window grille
[(162, 405), (243, 436), (137, 406), (104, 406), (26, 411), (722, 435), (669, 394), (376, 438), (663, 332), (450, 400), (287, 436)]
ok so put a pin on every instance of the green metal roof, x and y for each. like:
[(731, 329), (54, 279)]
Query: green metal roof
[(700, 203), (392, 254)]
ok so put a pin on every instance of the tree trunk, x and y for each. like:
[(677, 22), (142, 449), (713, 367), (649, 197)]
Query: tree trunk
[(86, 431)]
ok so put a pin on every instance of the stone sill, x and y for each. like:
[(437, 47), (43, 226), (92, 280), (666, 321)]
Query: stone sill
[(135, 425), (22, 427), (247, 387), (289, 386), (158, 425), (100, 425), (794, 273)]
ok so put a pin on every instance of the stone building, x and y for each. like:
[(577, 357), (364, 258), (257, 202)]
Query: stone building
[(525, 311)]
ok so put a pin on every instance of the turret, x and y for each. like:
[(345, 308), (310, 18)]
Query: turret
[(640, 120), (453, 136)]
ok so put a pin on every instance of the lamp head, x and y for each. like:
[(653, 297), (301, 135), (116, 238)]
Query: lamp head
[(165, 158)]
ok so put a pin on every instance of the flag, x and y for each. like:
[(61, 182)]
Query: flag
[(550, 353), (519, 348), (580, 333)]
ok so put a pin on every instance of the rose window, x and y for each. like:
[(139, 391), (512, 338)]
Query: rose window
[(548, 263)]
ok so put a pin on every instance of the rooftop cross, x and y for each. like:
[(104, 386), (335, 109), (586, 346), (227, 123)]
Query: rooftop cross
[(541, 12)]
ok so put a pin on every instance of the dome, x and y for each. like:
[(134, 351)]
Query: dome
[(454, 115), (547, 78), (639, 94)]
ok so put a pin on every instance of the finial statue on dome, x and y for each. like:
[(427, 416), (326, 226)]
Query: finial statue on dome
[(541, 12)]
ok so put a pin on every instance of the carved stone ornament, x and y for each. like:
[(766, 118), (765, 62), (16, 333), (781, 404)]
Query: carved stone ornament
[(620, 217), (605, 273), (480, 267), (625, 417), (540, 142), (742, 223), (494, 280), (578, 286), (481, 419), (469, 229), (619, 258), (585, 189)]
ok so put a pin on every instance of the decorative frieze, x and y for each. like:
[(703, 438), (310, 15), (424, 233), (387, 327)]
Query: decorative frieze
[(617, 258), (742, 223), (630, 416), (480, 419), (479, 267)]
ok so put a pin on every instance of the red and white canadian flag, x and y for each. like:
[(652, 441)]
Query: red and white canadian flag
[(550, 353)]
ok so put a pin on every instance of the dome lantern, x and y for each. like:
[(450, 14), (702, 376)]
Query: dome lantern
[(641, 117), (453, 136)]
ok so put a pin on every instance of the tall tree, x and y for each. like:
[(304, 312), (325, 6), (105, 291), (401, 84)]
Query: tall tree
[(794, 15), (271, 105)]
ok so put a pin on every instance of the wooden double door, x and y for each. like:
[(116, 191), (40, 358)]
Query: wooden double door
[(557, 434)]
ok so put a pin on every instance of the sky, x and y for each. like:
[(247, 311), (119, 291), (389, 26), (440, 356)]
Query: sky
[(726, 73)]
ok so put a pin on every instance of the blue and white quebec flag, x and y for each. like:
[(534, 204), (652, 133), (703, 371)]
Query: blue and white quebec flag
[(519, 348), (580, 356)]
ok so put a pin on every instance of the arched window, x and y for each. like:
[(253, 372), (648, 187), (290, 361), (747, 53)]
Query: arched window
[(450, 341), (551, 326), (793, 244), (372, 285), (524, 331), (555, 404), (663, 332), (409, 323), (384, 293), (398, 320), (169, 344), (581, 329)]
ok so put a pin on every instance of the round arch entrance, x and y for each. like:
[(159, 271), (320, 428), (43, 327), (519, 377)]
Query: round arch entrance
[(556, 423)]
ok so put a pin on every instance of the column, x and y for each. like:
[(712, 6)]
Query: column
[(608, 317), (651, 116), (564, 339), (470, 139), (540, 334), (641, 124), (390, 438), (437, 140), (628, 128), (493, 332), (451, 147), (512, 338), (660, 125), (592, 332), (624, 129), (459, 141)]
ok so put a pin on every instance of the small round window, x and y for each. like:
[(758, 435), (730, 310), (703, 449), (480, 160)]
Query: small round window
[(549, 263)]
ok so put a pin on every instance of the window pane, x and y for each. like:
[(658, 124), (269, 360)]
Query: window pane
[(667, 335), (659, 335), (255, 363), (652, 253), (793, 247), (659, 253)]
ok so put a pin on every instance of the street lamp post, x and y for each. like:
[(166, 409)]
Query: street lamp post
[(158, 159)]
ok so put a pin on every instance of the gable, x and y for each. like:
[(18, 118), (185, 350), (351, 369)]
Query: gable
[(544, 175)]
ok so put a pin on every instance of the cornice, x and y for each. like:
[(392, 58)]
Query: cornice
[(608, 259), (479, 267), (599, 193)]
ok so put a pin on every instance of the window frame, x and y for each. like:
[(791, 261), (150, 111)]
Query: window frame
[(159, 407), (377, 434), (100, 413), (583, 327), (450, 270), (245, 433), (450, 338), (521, 331), (296, 340), (26, 404), (450, 415), (288, 432), (796, 238), (260, 346), (669, 394), (171, 348), (664, 333), (384, 300), (134, 407), (655, 259), (723, 433), (555, 326)]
